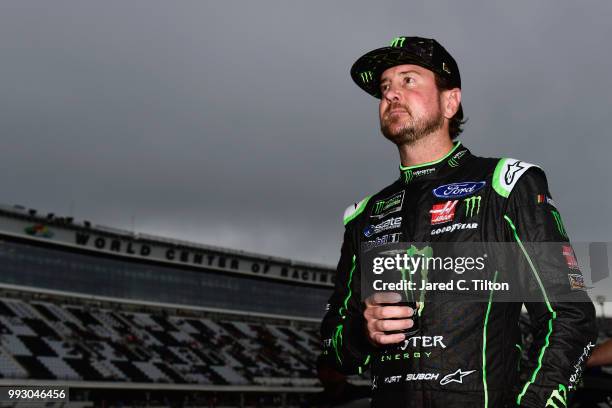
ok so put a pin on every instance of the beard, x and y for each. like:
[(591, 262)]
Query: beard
[(406, 131)]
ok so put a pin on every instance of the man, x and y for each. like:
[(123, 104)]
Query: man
[(466, 354)]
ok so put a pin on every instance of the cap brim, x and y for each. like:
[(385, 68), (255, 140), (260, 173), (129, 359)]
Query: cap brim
[(366, 71)]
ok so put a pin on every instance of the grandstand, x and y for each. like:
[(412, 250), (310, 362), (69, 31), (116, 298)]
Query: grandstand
[(132, 320), (126, 319)]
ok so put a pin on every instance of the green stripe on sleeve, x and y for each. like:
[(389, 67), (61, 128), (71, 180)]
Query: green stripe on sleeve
[(553, 314), (497, 186), (337, 338), (484, 346)]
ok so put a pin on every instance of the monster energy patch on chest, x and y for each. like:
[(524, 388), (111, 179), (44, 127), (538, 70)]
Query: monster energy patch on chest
[(384, 207)]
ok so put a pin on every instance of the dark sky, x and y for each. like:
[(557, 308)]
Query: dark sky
[(237, 124)]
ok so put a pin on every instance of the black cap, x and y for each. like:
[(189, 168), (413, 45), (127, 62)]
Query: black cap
[(425, 52)]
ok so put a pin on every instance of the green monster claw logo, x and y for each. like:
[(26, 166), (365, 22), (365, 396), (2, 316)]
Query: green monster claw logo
[(366, 76), (560, 395), (379, 206), (470, 204), (398, 42), (559, 222), (454, 161), (426, 252), (408, 176), (382, 205)]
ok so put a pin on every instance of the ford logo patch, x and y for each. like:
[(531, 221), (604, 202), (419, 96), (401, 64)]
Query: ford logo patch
[(457, 190)]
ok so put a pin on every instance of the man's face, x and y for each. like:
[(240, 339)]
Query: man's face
[(410, 106)]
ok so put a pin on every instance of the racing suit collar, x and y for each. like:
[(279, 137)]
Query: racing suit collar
[(437, 168)]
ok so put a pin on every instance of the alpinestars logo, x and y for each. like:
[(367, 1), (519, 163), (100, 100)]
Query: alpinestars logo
[(511, 171), (444, 212), (457, 377)]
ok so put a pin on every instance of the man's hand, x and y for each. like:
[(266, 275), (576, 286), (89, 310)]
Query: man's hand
[(381, 317)]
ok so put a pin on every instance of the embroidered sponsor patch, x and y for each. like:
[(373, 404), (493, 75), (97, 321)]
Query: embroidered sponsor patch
[(570, 257), (456, 377), (507, 173), (382, 208), (542, 198), (456, 226), (443, 212), (385, 239), (389, 224), (458, 190), (576, 280)]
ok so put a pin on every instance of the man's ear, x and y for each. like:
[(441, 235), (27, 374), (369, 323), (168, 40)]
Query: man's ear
[(451, 99)]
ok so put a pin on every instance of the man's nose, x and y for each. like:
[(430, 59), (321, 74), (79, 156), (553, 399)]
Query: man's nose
[(392, 94)]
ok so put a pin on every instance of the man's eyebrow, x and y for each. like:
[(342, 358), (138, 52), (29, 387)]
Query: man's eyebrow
[(410, 71)]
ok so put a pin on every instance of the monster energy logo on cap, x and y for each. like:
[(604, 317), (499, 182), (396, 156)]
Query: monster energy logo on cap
[(470, 204), (559, 222), (366, 76), (398, 42)]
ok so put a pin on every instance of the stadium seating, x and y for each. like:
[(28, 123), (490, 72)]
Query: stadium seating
[(64, 340)]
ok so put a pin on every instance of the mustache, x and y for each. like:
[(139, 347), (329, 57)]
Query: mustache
[(396, 106)]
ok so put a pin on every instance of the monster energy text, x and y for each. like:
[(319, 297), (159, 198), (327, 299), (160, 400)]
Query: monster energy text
[(405, 356)]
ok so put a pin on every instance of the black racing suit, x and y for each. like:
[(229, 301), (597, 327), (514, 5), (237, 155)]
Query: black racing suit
[(468, 353)]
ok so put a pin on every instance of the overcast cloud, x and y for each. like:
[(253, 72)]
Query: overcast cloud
[(235, 123)]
